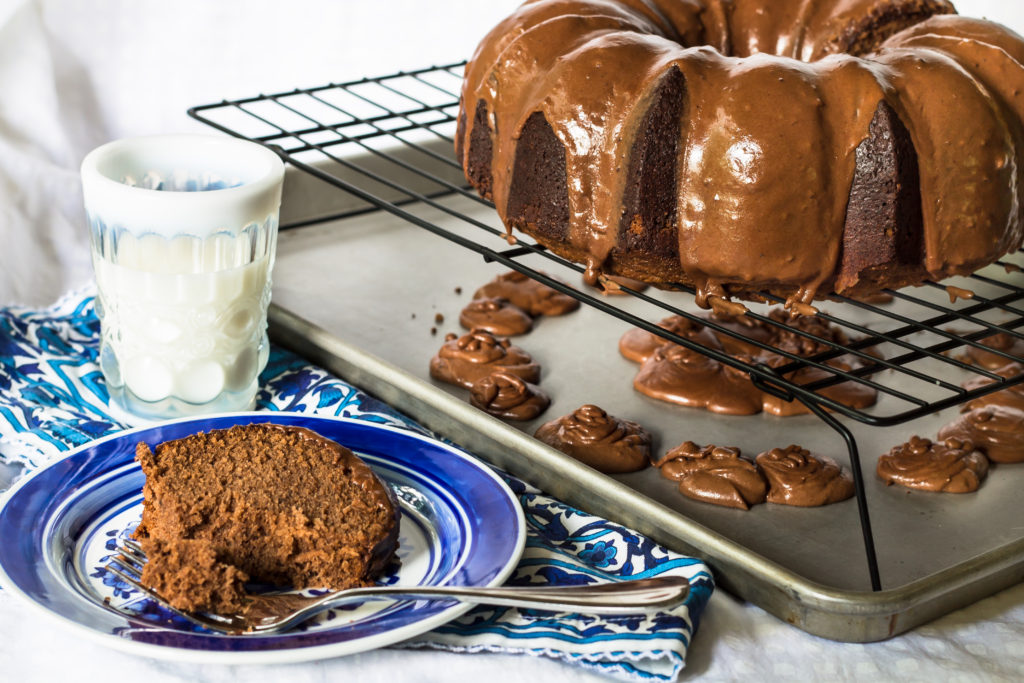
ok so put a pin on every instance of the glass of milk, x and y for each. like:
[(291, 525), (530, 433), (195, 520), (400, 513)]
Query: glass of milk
[(183, 232)]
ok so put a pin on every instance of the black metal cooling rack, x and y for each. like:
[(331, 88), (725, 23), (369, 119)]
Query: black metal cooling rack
[(389, 142)]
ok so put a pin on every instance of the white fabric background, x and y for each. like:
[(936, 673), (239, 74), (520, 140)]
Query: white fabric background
[(75, 74)]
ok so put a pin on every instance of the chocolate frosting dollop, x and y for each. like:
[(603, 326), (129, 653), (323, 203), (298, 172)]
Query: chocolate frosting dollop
[(637, 344), (680, 378), (505, 395), (678, 375), (466, 359), (495, 315), (852, 394), (997, 431), (743, 325), (1001, 341), (786, 335), (950, 465), (790, 339), (1012, 397), (714, 474), (528, 294), (796, 477), (607, 443)]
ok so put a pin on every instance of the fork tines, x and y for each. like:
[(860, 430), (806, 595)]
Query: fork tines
[(127, 563)]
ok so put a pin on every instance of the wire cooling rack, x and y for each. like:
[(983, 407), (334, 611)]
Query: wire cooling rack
[(389, 142)]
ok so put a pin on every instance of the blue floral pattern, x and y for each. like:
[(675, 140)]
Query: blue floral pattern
[(53, 398)]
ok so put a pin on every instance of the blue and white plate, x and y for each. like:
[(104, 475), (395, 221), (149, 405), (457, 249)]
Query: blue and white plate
[(460, 525)]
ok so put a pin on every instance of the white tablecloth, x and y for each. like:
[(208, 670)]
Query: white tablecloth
[(74, 75)]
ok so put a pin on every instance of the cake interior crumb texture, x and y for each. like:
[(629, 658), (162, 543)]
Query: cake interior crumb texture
[(261, 503)]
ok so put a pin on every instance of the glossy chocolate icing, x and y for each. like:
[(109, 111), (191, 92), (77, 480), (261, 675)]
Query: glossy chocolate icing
[(776, 102), (498, 316), (638, 345), (464, 360), (949, 466), (533, 297), (1012, 397), (714, 474), (795, 477), (505, 395), (592, 436), (997, 431)]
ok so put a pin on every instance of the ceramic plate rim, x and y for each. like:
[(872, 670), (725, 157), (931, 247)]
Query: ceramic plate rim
[(270, 656)]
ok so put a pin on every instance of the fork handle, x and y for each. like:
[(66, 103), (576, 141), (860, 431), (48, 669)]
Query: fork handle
[(627, 597)]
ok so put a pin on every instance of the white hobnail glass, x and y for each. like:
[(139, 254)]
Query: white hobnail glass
[(183, 233)]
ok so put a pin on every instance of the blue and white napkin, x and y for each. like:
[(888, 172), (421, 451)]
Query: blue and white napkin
[(53, 398)]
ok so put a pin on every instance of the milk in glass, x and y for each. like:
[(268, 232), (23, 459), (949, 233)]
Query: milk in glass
[(183, 232)]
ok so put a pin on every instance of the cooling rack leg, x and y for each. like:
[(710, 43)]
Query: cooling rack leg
[(858, 483)]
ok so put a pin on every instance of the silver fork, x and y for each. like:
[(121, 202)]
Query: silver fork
[(275, 612)]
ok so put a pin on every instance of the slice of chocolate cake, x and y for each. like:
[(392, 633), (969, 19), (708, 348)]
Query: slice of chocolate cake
[(265, 503)]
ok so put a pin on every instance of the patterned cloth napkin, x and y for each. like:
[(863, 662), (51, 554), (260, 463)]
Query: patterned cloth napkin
[(53, 398)]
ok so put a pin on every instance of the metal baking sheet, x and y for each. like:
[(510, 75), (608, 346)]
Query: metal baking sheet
[(365, 296)]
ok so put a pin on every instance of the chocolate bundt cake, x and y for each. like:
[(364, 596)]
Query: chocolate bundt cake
[(801, 147)]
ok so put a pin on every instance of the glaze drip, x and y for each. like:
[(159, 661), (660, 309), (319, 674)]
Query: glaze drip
[(766, 111)]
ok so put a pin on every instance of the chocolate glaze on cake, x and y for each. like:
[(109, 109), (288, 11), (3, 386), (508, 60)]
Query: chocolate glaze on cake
[(1012, 397), (497, 316), (714, 474), (466, 359), (996, 431), (796, 477), (949, 466), (743, 145), (528, 294), (273, 504), (503, 394), (608, 444)]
